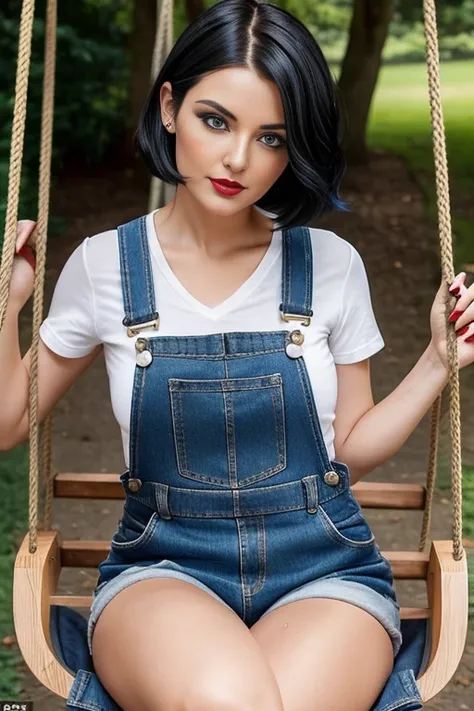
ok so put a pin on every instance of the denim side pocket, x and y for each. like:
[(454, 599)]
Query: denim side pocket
[(345, 522)]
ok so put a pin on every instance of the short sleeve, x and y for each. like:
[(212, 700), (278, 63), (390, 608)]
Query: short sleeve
[(70, 328), (356, 335)]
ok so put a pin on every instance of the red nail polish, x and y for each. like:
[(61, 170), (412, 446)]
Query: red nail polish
[(469, 339), (462, 330), (29, 255), (454, 316), (455, 291)]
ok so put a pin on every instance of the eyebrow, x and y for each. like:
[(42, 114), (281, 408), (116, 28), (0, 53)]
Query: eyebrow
[(226, 112)]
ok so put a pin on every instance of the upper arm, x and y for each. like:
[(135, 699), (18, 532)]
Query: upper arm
[(353, 339), (354, 399), (55, 375), (69, 342)]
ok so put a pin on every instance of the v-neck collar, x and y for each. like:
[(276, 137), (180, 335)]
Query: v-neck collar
[(214, 312)]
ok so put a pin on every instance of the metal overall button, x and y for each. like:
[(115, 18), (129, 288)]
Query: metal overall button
[(331, 478), (295, 348), (143, 357), (134, 485)]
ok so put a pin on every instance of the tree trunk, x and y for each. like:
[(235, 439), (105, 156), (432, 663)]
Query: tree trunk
[(194, 8), (359, 71), (140, 51)]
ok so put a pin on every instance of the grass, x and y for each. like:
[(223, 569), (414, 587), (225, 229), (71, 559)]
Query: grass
[(400, 123), (468, 528), (13, 519), (444, 483)]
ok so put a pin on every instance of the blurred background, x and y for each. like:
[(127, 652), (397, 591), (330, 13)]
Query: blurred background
[(376, 49)]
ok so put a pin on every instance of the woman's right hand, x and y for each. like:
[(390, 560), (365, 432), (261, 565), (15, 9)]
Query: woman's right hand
[(23, 276)]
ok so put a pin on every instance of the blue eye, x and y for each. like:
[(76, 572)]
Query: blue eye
[(205, 117), (212, 117)]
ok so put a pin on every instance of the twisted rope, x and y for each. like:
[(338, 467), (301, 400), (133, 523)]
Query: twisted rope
[(16, 153), (163, 45), (47, 121), (447, 268)]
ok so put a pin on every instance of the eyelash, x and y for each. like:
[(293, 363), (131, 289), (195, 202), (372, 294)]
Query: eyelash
[(204, 117)]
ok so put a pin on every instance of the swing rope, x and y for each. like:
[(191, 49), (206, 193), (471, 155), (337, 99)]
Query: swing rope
[(8, 252), (163, 45), (447, 270)]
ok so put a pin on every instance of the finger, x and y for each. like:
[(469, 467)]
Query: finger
[(31, 241), (28, 254), (457, 281), (466, 332), (462, 318), (25, 229), (464, 298), (458, 285)]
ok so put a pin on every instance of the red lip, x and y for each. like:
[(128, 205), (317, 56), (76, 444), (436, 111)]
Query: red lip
[(227, 183)]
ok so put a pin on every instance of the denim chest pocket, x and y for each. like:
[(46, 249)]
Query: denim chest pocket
[(344, 521), (134, 535), (229, 431)]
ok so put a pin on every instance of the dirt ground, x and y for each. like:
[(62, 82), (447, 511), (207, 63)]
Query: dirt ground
[(389, 227)]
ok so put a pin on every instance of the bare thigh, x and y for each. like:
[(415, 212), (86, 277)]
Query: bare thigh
[(166, 645), (326, 655)]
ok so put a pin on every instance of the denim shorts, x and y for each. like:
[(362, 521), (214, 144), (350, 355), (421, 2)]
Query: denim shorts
[(352, 570), (382, 608)]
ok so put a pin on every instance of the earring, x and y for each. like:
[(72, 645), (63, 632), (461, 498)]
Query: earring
[(168, 124)]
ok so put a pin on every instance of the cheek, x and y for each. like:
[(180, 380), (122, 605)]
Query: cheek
[(270, 170), (193, 150)]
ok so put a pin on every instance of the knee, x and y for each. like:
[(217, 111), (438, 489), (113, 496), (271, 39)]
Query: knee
[(220, 697)]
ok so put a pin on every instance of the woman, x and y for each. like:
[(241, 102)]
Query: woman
[(243, 573)]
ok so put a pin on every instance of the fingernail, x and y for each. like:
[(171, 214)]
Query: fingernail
[(455, 291), (29, 255), (454, 316), (463, 330), (456, 282), (469, 339)]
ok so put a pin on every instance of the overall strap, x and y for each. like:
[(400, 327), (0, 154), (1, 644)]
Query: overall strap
[(297, 275), (137, 277)]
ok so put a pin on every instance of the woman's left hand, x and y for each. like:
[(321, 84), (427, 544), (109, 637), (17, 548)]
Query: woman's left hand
[(462, 317)]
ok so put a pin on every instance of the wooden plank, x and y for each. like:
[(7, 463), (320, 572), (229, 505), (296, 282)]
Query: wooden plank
[(71, 600), (448, 599), (72, 485), (381, 495), (406, 565), (80, 601), (378, 495), (415, 613), (35, 579)]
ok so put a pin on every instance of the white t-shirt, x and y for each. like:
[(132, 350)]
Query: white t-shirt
[(87, 309)]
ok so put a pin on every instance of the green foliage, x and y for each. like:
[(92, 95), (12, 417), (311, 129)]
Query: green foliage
[(330, 20), (444, 482), (468, 528), (91, 87)]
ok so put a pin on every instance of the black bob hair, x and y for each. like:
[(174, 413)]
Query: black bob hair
[(277, 46)]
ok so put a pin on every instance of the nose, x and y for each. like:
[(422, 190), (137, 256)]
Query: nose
[(237, 156)]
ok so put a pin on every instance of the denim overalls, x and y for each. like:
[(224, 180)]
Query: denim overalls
[(229, 479)]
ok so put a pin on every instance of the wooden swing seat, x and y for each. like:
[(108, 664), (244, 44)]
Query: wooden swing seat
[(36, 577)]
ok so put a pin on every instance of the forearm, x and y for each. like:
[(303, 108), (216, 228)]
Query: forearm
[(13, 376), (382, 431)]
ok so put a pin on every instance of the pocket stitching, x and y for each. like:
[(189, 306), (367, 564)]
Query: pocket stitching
[(178, 427), (332, 529), (149, 530)]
